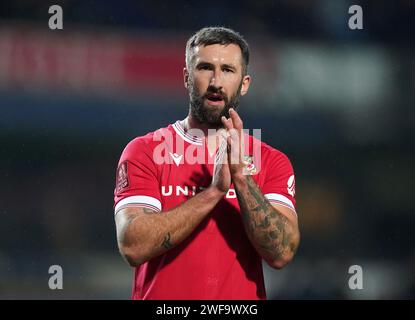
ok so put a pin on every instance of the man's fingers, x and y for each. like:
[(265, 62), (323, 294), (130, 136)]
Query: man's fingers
[(234, 139), (229, 140), (235, 149), (224, 121), (236, 120), (227, 123), (234, 134)]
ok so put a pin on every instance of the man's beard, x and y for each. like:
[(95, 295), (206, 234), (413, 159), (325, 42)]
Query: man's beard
[(211, 116)]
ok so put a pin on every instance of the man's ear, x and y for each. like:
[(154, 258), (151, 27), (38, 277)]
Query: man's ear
[(185, 77), (246, 81)]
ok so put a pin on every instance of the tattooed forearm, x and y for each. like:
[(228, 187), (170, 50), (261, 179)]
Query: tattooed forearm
[(270, 231), (166, 242)]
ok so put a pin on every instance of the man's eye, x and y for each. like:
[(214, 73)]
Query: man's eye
[(204, 68), (227, 70)]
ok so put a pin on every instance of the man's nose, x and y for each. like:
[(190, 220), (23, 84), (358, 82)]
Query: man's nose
[(216, 80)]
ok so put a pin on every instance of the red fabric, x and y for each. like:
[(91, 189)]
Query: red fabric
[(217, 261)]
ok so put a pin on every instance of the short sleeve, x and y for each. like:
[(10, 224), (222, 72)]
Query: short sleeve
[(136, 182), (279, 185)]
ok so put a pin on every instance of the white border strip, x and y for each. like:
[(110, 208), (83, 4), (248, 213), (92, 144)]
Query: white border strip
[(283, 200), (143, 201)]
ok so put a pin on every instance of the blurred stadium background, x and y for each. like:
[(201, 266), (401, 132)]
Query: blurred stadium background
[(339, 102)]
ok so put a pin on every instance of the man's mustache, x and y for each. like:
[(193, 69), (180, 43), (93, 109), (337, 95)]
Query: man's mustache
[(212, 90)]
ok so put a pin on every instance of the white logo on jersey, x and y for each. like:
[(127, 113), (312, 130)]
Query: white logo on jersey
[(291, 185), (176, 158), (167, 191)]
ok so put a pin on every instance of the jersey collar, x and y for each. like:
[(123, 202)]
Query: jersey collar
[(178, 127)]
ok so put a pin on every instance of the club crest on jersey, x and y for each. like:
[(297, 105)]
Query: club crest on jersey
[(122, 176), (250, 168)]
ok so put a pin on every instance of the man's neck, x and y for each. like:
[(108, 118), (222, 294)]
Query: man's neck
[(210, 137), (191, 122)]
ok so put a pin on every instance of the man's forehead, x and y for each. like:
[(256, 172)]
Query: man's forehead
[(229, 53)]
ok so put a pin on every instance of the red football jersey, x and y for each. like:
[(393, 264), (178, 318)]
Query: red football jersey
[(161, 170)]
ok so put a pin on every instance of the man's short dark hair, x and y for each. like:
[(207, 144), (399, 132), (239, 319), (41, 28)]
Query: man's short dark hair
[(218, 35)]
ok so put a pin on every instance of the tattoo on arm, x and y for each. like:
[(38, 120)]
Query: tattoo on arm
[(266, 226), (166, 242)]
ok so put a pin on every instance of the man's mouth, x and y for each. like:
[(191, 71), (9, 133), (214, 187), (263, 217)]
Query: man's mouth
[(215, 98)]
